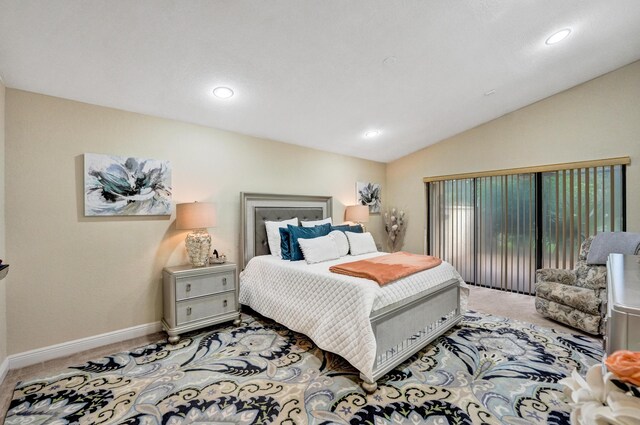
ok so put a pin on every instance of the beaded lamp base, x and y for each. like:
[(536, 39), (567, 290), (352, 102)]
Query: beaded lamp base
[(198, 245)]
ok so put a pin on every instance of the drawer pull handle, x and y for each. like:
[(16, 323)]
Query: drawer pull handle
[(224, 280), (188, 311), (188, 287), (224, 303)]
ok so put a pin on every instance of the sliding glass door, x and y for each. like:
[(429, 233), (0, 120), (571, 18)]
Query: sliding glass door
[(497, 230), (506, 224), (576, 204), (453, 221)]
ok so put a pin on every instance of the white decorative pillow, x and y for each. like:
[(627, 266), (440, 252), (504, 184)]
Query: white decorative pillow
[(320, 249), (273, 234), (341, 241), (316, 222), (361, 243)]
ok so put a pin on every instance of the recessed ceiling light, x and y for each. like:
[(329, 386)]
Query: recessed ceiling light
[(558, 36), (391, 60), (371, 133), (223, 92)]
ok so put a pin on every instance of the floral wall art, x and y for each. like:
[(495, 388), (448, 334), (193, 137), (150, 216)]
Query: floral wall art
[(115, 185), (369, 194)]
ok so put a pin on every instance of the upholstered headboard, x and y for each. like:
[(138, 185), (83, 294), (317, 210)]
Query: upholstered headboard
[(259, 207)]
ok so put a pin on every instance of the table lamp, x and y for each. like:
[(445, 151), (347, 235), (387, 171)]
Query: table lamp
[(357, 214), (196, 216)]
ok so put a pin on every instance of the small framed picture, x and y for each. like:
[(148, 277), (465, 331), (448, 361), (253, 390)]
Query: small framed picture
[(369, 194)]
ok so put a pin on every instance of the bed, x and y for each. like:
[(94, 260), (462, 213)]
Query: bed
[(374, 328)]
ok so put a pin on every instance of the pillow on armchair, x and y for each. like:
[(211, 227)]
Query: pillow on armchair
[(612, 242)]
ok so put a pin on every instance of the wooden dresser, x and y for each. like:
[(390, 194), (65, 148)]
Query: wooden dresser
[(623, 303)]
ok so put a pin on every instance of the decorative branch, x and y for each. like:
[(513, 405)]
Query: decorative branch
[(395, 225)]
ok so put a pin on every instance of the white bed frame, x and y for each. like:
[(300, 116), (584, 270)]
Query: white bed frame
[(401, 329)]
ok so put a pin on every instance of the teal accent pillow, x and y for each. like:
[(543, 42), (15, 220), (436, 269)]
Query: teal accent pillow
[(297, 232), (348, 228), (356, 229), (285, 243)]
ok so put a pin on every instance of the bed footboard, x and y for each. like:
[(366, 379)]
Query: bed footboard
[(404, 328)]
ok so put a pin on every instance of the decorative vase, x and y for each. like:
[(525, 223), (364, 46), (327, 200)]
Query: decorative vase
[(198, 245)]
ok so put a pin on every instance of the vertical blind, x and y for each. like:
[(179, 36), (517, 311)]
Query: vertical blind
[(506, 228), (452, 238), (576, 204), (497, 230)]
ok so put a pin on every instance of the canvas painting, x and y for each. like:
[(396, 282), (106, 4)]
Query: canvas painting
[(116, 185), (369, 194)]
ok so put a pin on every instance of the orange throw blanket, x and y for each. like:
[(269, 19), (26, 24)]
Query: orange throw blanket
[(387, 268)]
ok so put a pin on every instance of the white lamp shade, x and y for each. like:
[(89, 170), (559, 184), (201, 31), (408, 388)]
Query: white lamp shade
[(357, 213), (195, 215)]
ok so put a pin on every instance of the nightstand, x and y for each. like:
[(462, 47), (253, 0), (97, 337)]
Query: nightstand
[(196, 297)]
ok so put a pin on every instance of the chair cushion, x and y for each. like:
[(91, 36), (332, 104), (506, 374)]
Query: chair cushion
[(566, 277), (591, 277), (585, 246), (590, 323), (582, 299)]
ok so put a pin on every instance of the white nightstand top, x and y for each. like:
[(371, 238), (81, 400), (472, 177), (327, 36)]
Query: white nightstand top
[(188, 269)]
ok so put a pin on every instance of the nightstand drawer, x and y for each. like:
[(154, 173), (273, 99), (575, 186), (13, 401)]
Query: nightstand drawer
[(197, 286), (196, 297), (204, 307)]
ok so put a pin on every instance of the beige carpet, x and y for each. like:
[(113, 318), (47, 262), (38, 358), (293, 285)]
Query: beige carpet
[(514, 306)]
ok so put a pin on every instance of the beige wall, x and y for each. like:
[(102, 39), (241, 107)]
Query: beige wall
[(3, 251), (74, 277), (598, 119)]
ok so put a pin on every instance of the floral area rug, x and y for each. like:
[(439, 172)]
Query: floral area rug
[(487, 370)]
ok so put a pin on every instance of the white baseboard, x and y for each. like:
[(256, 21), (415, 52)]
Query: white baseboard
[(4, 369), (64, 349)]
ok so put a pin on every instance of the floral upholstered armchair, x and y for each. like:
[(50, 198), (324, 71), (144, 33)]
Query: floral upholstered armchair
[(575, 297)]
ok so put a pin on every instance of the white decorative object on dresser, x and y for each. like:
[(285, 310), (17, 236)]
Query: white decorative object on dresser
[(196, 297)]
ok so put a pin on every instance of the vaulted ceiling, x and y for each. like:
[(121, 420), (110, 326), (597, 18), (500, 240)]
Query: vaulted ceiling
[(316, 73)]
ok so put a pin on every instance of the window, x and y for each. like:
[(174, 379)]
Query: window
[(578, 203), (498, 229), (506, 231), (452, 237)]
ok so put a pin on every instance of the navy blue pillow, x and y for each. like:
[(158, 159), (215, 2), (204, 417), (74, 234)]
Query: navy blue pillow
[(285, 243), (298, 232), (356, 229), (347, 228)]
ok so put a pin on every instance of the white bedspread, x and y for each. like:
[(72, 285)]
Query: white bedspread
[(332, 309)]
